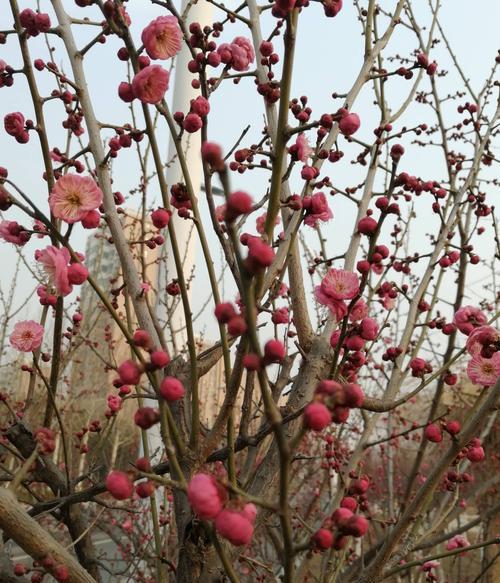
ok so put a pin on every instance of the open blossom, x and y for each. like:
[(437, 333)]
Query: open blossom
[(150, 84), (359, 311), (469, 317), (73, 196), (301, 150), (481, 337), (55, 264), (260, 223), (27, 336), (162, 37), (484, 371), (339, 284), (12, 232), (317, 209)]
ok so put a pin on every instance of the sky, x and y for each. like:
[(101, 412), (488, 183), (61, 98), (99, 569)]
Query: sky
[(328, 56)]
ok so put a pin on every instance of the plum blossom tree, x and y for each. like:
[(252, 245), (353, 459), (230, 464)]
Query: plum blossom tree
[(357, 416)]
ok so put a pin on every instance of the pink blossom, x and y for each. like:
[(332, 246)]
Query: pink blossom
[(12, 232), (27, 336), (162, 37), (359, 311), (150, 84), (340, 285), (458, 541), (220, 212), (469, 317), (429, 565), (55, 264), (480, 337), (239, 54), (368, 329), (301, 150), (337, 307), (484, 371), (73, 196), (260, 223), (317, 209)]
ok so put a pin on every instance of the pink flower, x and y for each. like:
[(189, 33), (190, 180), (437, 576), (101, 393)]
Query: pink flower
[(359, 311), (483, 336), (484, 371), (27, 336), (458, 541), (55, 264), (340, 285), (260, 255), (150, 84), (239, 54), (429, 565), (73, 196), (260, 223), (469, 317), (162, 37), (368, 329), (301, 150), (12, 232), (317, 209), (337, 307)]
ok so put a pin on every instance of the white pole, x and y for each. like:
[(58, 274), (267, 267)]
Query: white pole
[(183, 92)]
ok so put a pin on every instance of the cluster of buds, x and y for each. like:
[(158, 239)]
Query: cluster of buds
[(332, 403)]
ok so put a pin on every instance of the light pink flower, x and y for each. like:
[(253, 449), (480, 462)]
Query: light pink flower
[(55, 264), (73, 196), (458, 541), (469, 317), (27, 336), (260, 223), (340, 285), (428, 565), (238, 54), (301, 150), (359, 311), (482, 336), (244, 56), (151, 84), (337, 307), (162, 37), (12, 232), (317, 209), (484, 371)]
